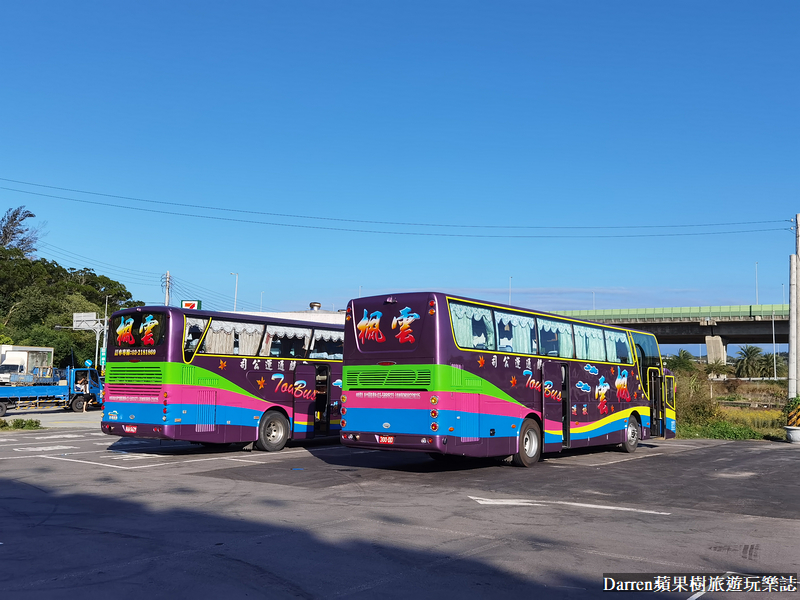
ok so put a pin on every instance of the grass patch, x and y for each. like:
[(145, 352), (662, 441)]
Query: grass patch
[(725, 430), (20, 424)]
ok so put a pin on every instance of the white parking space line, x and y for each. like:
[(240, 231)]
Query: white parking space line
[(45, 449), (86, 462), (58, 437), (613, 462), (527, 502)]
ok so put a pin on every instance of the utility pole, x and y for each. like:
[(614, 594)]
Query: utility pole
[(167, 284), (756, 283), (235, 291)]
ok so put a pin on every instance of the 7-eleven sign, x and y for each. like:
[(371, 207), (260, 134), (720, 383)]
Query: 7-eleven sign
[(193, 304)]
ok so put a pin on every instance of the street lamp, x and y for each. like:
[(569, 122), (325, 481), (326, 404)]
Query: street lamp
[(235, 291)]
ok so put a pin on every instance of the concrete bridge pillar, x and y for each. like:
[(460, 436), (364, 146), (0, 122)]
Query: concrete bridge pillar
[(716, 349)]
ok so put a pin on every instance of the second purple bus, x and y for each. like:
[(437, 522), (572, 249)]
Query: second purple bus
[(433, 373)]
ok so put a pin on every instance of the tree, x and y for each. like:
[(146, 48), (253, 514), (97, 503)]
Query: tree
[(717, 367), (772, 363), (37, 294), (683, 361), (750, 362), (15, 234)]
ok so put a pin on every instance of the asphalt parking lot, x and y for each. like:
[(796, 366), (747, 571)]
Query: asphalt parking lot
[(89, 515)]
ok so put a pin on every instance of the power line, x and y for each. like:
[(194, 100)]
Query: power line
[(99, 262), (422, 234)]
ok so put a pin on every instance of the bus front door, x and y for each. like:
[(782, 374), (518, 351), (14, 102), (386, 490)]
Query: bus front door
[(555, 394), (322, 395), (305, 382), (655, 382)]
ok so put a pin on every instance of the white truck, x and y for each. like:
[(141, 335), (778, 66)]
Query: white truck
[(24, 360)]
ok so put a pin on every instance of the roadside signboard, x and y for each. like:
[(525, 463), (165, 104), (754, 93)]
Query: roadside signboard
[(192, 304), (86, 322)]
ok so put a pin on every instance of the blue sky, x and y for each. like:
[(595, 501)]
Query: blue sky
[(592, 120)]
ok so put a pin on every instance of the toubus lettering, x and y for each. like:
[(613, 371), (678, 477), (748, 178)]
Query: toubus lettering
[(297, 389), (147, 327), (369, 327), (549, 392), (531, 382), (125, 332), (405, 320)]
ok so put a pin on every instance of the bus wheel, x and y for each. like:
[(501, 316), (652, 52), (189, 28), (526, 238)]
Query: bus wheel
[(632, 435), (77, 403), (273, 432), (3, 409), (530, 444)]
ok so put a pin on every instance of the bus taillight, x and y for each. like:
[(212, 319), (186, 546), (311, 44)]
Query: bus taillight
[(434, 427), (434, 413), (434, 400)]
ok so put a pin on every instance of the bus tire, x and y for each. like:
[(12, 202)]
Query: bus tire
[(77, 404), (633, 433), (530, 444), (3, 409), (273, 431)]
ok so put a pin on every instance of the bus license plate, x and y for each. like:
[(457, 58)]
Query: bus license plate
[(386, 439), (129, 428)]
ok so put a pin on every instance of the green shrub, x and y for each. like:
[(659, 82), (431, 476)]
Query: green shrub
[(719, 430), (723, 430), (21, 424)]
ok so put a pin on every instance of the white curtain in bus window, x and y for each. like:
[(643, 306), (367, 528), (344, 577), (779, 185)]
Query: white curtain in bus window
[(472, 326), (194, 331), (617, 347), (327, 344), (248, 335), (219, 339), (555, 338), (589, 343), (515, 333), (286, 342)]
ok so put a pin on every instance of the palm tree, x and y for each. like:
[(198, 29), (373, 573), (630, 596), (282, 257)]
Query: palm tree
[(683, 361), (750, 362), (717, 367), (771, 363)]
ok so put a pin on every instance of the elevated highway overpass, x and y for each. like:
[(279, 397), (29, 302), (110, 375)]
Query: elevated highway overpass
[(714, 326)]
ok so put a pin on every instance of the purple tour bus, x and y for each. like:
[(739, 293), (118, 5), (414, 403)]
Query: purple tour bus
[(434, 373), (219, 378)]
